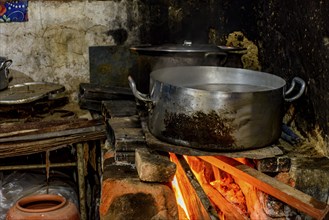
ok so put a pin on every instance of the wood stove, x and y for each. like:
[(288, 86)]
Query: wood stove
[(259, 177)]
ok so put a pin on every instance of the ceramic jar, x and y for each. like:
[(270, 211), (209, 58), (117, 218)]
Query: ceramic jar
[(43, 207)]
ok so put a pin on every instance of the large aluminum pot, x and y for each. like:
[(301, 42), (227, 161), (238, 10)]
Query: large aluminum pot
[(216, 108)]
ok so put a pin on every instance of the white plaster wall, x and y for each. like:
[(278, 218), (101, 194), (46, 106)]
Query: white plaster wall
[(53, 45)]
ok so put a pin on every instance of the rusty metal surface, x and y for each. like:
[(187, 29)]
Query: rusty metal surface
[(200, 129)]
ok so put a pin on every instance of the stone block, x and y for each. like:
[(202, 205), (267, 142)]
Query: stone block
[(312, 177), (153, 167), (125, 197), (273, 165)]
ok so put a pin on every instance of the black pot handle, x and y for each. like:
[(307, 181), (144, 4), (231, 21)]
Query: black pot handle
[(291, 88)]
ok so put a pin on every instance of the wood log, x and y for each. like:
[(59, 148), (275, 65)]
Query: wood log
[(271, 186), (206, 173), (229, 210), (195, 207)]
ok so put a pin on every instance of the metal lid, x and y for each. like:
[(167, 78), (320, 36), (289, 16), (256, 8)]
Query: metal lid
[(186, 47), (29, 92)]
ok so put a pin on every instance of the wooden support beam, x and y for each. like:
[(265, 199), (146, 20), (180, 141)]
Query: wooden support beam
[(271, 186)]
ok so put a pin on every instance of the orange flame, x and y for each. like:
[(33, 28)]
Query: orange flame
[(179, 197)]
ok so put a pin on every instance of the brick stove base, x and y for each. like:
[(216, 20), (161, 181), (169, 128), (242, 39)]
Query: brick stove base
[(311, 179), (125, 196)]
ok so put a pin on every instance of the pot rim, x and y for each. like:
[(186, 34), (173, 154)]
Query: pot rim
[(163, 76), (39, 198), (186, 47)]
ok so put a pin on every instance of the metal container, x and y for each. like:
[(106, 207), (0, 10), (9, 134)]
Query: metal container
[(186, 54), (216, 108), (153, 57), (4, 72)]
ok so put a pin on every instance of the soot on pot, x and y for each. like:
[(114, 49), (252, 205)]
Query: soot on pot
[(201, 130)]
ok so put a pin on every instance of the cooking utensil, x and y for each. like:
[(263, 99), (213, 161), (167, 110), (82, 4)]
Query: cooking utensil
[(4, 73), (153, 57), (186, 47), (216, 108), (29, 92), (196, 54)]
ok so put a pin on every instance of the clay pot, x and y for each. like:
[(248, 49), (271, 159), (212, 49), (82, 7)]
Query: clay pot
[(43, 207)]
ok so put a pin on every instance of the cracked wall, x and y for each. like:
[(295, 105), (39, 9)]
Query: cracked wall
[(53, 45)]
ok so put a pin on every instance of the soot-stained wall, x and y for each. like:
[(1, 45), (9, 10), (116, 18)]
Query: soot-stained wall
[(169, 21), (292, 39)]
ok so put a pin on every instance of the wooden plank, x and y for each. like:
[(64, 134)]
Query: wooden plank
[(90, 104), (9, 130), (118, 108), (97, 92), (31, 147), (271, 186), (129, 134), (125, 122), (14, 133), (129, 145), (47, 135)]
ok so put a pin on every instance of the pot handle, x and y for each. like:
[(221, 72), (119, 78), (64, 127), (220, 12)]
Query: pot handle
[(4, 66), (295, 80), (137, 94), (224, 54)]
